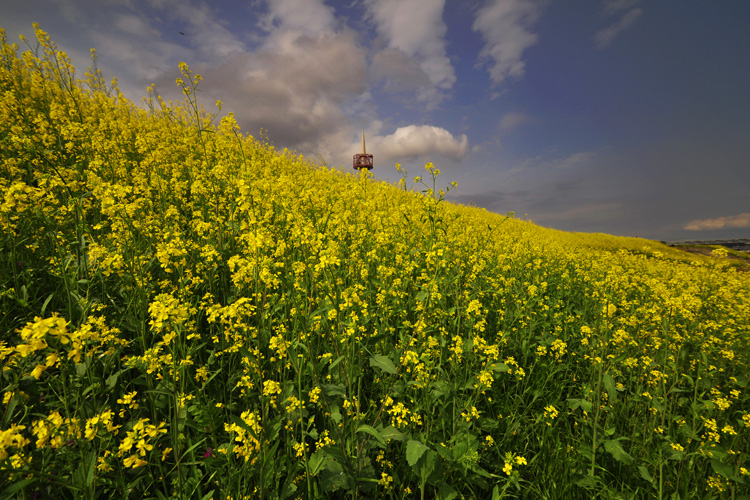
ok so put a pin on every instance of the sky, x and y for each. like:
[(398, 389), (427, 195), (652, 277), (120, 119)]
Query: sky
[(627, 117)]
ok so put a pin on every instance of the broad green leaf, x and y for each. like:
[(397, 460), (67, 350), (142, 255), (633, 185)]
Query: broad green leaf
[(336, 453), (374, 433), (334, 390), (615, 449), (429, 467), (414, 450), (588, 482), (384, 363), (580, 403), (446, 492), (610, 387), (335, 414), (315, 464), (726, 471), (644, 474), (289, 489), (391, 432)]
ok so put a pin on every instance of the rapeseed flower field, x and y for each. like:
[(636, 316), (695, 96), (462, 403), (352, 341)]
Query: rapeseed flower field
[(186, 312)]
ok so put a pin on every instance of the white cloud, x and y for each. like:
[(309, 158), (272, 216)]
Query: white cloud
[(413, 141), (603, 38), (303, 17), (416, 29), (295, 92), (739, 221), (205, 32), (577, 159), (511, 120), (505, 27), (398, 70), (611, 7)]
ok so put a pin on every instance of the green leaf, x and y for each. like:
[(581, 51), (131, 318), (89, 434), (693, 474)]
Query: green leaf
[(391, 432), (587, 482), (16, 487), (500, 367), (336, 453), (289, 489), (445, 452), (112, 379), (615, 449), (439, 389), (446, 492), (374, 433), (644, 474), (333, 365), (423, 295), (726, 471), (9, 410), (580, 403), (334, 390), (585, 451), (480, 471), (496, 493), (83, 476), (244, 425), (384, 363), (610, 387), (429, 467), (414, 450), (46, 303), (315, 464), (336, 414)]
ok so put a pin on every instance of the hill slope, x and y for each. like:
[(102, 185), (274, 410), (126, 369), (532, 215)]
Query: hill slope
[(188, 312)]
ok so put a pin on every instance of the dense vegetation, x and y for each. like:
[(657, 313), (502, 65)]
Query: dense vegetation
[(186, 312)]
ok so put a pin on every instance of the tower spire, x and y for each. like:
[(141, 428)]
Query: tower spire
[(362, 160)]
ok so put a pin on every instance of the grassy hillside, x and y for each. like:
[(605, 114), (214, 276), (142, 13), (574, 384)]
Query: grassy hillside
[(186, 312)]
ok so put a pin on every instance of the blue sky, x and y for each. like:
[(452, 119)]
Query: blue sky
[(629, 117)]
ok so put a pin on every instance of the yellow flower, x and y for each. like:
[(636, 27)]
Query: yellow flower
[(37, 372), (271, 388), (551, 413), (314, 394), (134, 461)]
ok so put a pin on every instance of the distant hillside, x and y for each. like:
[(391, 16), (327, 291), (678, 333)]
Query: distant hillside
[(740, 244)]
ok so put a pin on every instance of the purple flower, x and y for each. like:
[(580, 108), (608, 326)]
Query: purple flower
[(208, 453)]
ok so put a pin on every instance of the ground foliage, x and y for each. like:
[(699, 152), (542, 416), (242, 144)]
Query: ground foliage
[(186, 312)]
